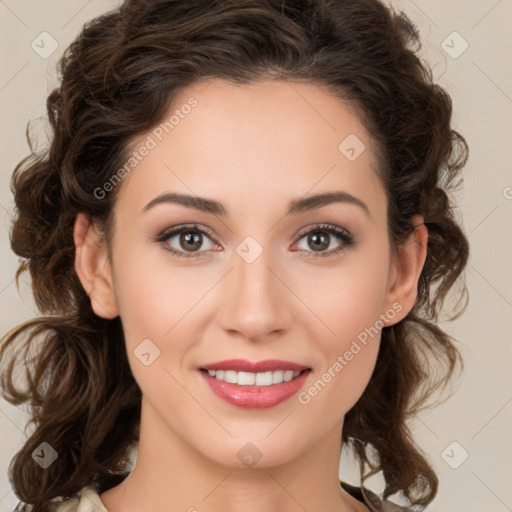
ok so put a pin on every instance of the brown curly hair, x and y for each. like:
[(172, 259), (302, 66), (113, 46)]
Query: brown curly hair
[(117, 80)]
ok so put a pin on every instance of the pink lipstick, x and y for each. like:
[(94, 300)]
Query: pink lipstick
[(255, 385)]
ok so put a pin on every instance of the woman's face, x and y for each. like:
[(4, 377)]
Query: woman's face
[(255, 286)]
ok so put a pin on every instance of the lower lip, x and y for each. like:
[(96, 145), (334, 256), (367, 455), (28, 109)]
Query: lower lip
[(255, 397)]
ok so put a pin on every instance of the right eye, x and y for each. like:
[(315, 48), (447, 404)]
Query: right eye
[(188, 237)]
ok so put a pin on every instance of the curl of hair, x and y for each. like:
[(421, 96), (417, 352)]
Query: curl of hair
[(117, 81)]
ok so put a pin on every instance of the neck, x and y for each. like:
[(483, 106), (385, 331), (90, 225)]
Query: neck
[(169, 474)]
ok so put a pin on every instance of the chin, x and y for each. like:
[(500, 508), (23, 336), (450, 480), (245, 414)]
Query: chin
[(253, 452)]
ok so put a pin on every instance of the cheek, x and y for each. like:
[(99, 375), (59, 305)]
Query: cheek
[(349, 305), (350, 298), (347, 377), (349, 357), (158, 306), (152, 295)]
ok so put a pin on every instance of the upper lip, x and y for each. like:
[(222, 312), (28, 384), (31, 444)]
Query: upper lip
[(243, 365)]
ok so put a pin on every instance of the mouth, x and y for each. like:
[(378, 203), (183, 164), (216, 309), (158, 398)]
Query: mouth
[(254, 385)]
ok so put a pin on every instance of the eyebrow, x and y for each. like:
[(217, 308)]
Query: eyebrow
[(298, 206)]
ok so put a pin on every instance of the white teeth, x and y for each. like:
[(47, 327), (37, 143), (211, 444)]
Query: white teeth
[(288, 375), (246, 378), (278, 376), (231, 376), (254, 379)]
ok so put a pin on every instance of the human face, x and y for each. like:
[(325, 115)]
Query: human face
[(254, 287)]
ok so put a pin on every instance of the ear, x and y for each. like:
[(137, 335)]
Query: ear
[(405, 272), (93, 267)]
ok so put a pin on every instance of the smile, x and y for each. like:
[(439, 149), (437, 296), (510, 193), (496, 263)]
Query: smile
[(254, 379), (254, 384)]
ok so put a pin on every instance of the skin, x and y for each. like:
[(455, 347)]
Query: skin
[(254, 148)]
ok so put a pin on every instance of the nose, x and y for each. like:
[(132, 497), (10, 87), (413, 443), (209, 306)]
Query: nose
[(256, 301)]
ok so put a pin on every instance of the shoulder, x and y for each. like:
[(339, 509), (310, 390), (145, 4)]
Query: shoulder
[(378, 504), (86, 500)]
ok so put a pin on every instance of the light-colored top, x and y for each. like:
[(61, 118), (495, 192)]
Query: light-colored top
[(88, 500)]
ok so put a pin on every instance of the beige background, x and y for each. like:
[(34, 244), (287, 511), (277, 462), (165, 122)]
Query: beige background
[(477, 418)]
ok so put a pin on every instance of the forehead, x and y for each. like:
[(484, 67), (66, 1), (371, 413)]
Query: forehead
[(264, 141)]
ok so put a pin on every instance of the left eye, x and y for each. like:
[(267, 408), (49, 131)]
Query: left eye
[(191, 239), (320, 237)]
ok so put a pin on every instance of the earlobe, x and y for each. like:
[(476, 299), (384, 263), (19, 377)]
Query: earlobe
[(93, 267), (408, 267)]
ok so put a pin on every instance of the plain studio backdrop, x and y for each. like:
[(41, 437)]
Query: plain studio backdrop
[(468, 44)]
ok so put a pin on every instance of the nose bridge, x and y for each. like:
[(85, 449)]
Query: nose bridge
[(255, 304)]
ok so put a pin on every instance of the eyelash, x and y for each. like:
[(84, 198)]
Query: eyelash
[(340, 233)]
